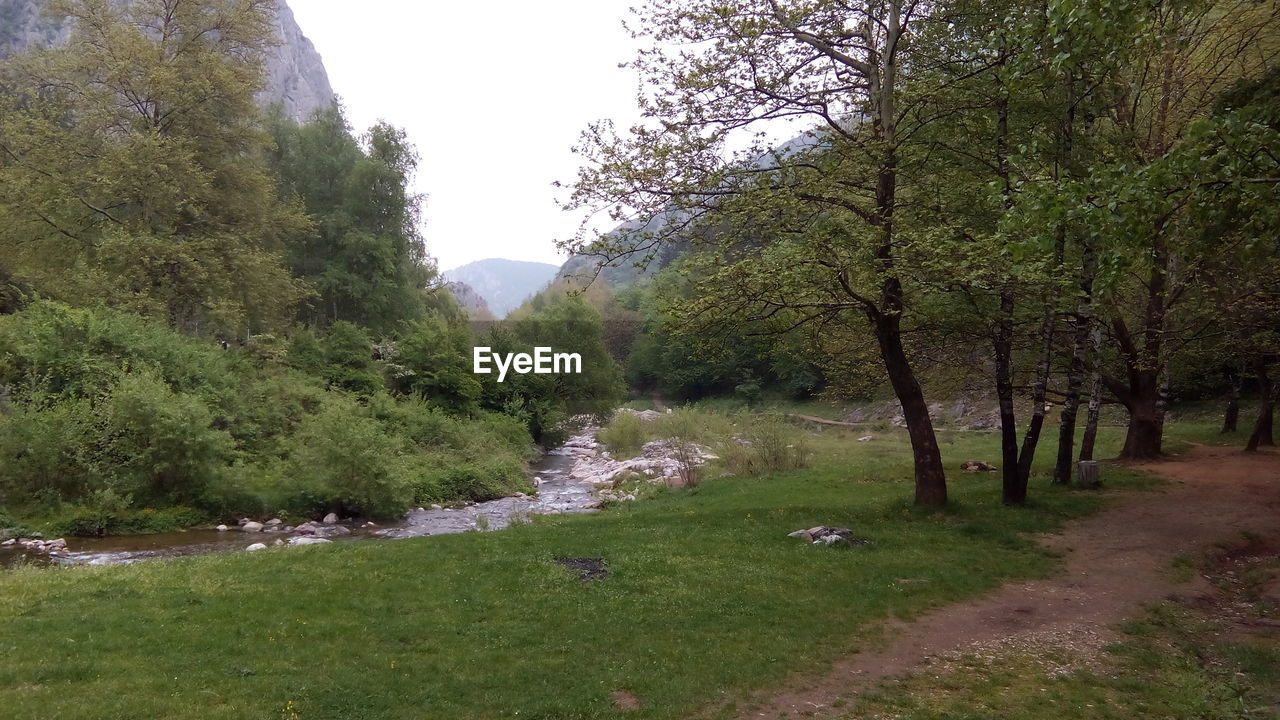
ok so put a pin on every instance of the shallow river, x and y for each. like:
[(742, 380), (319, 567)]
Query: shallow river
[(557, 493)]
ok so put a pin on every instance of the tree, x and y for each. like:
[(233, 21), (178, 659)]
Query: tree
[(837, 194), (365, 256), (130, 165)]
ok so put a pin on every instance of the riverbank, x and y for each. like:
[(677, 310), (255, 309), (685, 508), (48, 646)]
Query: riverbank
[(695, 594), (579, 476)]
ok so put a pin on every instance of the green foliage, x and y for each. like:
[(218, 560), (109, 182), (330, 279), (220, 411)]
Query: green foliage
[(433, 360), (546, 402), (105, 406), (625, 434), (365, 256), (154, 197), (343, 461), (160, 445)]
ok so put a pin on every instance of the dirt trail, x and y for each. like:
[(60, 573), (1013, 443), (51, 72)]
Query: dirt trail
[(1114, 562)]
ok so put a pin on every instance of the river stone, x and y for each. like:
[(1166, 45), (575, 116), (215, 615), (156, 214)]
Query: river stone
[(308, 541), (331, 531), (222, 528), (252, 527), (278, 542), (330, 519), (10, 541), (255, 547), (275, 521)]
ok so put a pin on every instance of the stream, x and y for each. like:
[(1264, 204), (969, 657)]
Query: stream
[(559, 490)]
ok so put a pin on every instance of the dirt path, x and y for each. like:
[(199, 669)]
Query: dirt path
[(1115, 561)]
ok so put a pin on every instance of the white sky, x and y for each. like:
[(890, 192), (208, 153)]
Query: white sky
[(493, 94)]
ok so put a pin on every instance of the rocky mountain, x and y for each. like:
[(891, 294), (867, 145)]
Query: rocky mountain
[(296, 77), (470, 300), (503, 284)]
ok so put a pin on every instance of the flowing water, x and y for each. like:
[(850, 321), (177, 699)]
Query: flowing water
[(557, 493)]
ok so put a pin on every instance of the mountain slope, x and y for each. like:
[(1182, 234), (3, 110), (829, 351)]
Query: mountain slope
[(296, 77), (503, 284)]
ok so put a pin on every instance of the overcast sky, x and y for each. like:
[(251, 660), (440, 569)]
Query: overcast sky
[(493, 94)]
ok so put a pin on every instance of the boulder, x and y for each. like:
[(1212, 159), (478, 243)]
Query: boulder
[(308, 541), (330, 519), (10, 541), (273, 522), (221, 528), (252, 527), (242, 521), (824, 535), (255, 547)]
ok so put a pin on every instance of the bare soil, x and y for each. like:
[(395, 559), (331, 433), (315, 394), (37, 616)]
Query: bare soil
[(1114, 562)]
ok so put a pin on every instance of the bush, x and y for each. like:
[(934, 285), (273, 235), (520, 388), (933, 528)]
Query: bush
[(625, 434), (767, 443), (343, 462), (160, 444)]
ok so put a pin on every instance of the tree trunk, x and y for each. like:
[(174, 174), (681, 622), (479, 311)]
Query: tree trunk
[(1231, 418), (931, 482), (1082, 320), (1144, 437), (1095, 398), (1039, 389), (1014, 489), (1263, 427)]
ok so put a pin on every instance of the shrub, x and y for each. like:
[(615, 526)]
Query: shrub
[(159, 443), (344, 462), (766, 443), (625, 434)]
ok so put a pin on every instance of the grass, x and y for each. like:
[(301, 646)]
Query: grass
[(1216, 658), (706, 600)]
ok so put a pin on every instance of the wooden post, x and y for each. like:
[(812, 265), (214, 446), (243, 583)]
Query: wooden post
[(1090, 474)]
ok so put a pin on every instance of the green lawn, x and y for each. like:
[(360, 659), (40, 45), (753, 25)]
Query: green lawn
[(706, 600)]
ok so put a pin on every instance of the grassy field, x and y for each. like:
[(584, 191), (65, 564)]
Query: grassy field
[(706, 600)]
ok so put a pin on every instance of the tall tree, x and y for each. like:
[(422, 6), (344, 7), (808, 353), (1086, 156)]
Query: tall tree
[(839, 196), (130, 165), (365, 257)]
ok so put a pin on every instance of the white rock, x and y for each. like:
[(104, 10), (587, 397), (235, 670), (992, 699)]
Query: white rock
[(222, 528), (275, 521), (865, 438), (436, 507), (255, 547), (252, 527), (10, 541), (330, 519), (308, 541)]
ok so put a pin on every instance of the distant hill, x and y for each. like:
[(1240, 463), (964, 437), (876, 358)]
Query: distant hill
[(637, 268), (503, 284)]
